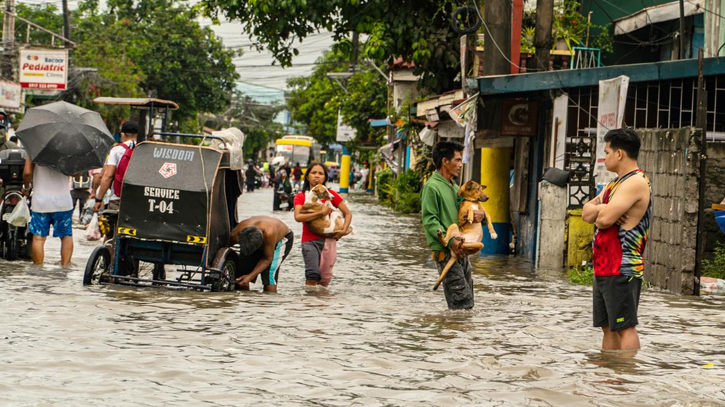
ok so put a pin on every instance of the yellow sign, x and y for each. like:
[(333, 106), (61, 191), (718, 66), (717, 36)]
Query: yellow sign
[(127, 231), (195, 239)]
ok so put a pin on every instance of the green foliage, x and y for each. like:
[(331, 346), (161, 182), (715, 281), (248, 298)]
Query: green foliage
[(408, 202), (385, 180), (401, 193), (603, 38), (138, 48), (581, 275), (408, 181), (418, 30), (424, 160), (45, 15), (316, 100), (716, 267)]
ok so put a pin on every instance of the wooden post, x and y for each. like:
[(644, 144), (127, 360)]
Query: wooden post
[(542, 38), (497, 18)]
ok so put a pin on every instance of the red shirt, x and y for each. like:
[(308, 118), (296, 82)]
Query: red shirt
[(307, 234)]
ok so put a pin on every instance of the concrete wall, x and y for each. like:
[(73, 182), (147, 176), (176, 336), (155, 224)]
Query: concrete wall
[(552, 232), (670, 159)]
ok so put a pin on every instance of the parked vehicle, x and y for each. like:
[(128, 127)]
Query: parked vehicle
[(178, 207), (14, 240)]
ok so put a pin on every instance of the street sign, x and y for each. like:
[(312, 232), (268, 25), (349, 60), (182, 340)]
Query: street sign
[(43, 68), (10, 95), (345, 133)]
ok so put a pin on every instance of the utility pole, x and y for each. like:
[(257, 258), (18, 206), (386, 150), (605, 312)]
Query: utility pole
[(66, 23), (496, 61), (497, 20), (701, 124), (542, 37), (8, 62), (682, 29)]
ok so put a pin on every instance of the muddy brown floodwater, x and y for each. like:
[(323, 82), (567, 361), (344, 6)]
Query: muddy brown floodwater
[(378, 337)]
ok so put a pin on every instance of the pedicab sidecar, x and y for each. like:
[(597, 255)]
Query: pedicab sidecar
[(178, 206)]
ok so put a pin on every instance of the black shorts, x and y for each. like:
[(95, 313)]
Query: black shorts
[(616, 299), (271, 273)]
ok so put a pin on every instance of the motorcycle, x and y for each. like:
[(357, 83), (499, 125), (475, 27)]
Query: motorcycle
[(14, 240)]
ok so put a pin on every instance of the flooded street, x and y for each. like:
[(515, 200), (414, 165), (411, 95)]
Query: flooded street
[(378, 337)]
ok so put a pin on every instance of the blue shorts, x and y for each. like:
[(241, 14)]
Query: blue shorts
[(62, 223)]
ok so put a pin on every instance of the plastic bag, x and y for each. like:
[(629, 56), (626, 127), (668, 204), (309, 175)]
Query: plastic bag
[(93, 232), (21, 214), (87, 212)]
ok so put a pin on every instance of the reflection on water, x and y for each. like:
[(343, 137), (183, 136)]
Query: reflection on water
[(378, 336)]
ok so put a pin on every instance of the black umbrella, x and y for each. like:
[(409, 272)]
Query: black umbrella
[(65, 137)]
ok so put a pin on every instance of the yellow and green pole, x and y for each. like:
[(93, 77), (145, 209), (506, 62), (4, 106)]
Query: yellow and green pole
[(345, 170), (495, 164)]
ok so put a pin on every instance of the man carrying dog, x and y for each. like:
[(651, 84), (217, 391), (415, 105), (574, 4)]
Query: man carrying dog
[(264, 243), (439, 209), (622, 215)]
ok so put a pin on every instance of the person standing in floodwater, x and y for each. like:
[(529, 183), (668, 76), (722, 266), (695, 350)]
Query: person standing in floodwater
[(622, 214), (319, 253), (439, 210)]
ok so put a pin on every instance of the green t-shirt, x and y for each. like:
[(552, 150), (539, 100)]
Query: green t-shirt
[(439, 208)]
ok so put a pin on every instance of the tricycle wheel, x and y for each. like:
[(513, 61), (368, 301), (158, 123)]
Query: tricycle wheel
[(225, 282), (97, 266)]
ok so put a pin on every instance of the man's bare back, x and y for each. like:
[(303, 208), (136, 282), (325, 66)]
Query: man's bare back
[(272, 229)]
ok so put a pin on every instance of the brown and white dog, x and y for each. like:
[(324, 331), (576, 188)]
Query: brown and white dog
[(469, 232), (325, 226)]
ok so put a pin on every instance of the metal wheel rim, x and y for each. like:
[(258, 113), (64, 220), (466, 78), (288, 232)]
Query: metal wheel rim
[(99, 269), (227, 280)]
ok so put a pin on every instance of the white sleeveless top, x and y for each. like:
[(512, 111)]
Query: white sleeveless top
[(51, 191)]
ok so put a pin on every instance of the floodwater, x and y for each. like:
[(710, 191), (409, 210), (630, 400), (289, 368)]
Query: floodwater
[(378, 337)]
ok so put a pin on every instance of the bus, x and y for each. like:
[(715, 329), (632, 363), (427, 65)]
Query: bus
[(297, 149)]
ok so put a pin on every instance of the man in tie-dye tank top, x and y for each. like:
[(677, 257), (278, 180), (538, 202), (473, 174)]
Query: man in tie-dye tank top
[(622, 214)]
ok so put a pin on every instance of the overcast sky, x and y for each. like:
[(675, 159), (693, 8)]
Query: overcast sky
[(254, 67)]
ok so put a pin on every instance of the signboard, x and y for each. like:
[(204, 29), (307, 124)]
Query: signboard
[(344, 132), (43, 68), (10, 95), (612, 99), (520, 118)]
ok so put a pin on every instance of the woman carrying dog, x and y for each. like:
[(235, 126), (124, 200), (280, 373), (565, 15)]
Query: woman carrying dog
[(319, 253)]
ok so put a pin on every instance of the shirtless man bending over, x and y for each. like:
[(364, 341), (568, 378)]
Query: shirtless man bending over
[(622, 214), (264, 243)]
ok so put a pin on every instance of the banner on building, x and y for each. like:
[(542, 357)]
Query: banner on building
[(43, 68), (612, 100), (345, 133), (463, 112), (10, 95)]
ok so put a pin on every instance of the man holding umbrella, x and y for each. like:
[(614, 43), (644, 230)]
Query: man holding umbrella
[(52, 205), (61, 140)]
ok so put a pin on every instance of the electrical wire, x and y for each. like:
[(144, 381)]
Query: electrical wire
[(491, 36)]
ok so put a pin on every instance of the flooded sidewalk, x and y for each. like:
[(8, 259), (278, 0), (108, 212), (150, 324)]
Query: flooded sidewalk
[(378, 337)]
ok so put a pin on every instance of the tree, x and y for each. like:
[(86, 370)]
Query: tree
[(181, 61), (316, 100), (417, 30), (257, 122)]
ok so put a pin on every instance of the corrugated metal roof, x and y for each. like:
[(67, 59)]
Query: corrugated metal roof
[(574, 78), (143, 103)]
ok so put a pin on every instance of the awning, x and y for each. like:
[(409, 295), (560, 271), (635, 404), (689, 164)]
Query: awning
[(656, 14), (141, 103)]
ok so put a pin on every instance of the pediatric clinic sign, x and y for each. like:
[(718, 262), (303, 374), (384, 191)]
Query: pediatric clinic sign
[(43, 68)]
